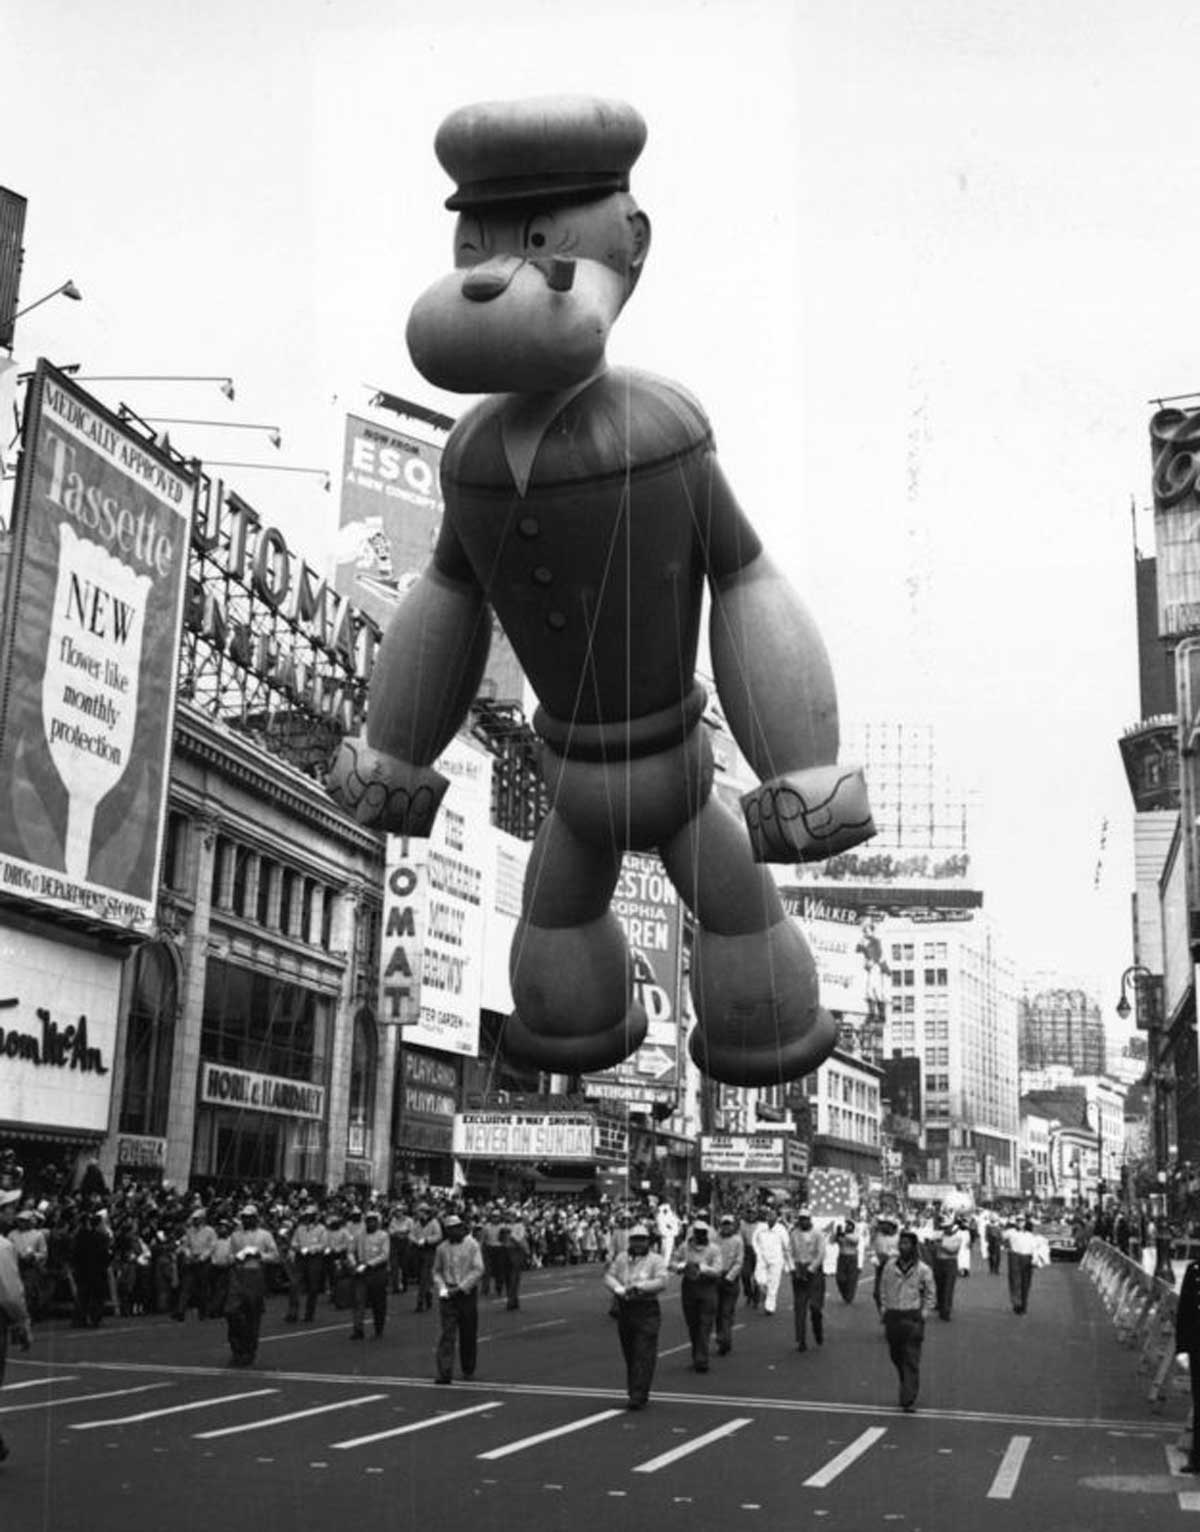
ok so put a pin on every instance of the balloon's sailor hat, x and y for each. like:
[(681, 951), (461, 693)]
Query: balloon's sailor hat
[(546, 148)]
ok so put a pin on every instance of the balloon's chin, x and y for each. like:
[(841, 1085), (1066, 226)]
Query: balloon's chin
[(527, 339)]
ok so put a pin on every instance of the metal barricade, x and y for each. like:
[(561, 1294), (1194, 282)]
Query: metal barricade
[(1142, 1309)]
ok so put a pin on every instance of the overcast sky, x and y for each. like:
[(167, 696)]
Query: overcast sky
[(924, 265)]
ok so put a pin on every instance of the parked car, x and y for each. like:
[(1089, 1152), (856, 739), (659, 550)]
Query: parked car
[(1063, 1239)]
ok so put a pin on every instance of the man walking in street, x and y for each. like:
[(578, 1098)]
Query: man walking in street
[(772, 1259), (514, 1254), (1021, 1244), (252, 1249), (370, 1255), (309, 1240), (195, 1265), (733, 1254), (945, 1266), (807, 1258), (848, 1261), (400, 1236), (14, 1314), (427, 1236), (905, 1295), (636, 1276), (457, 1272), (884, 1244), (699, 1262)]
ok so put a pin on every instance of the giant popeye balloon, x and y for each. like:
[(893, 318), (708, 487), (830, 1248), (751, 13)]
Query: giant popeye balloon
[(584, 505)]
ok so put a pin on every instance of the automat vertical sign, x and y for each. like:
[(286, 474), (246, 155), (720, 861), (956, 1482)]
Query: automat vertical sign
[(90, 647), (431, 962)]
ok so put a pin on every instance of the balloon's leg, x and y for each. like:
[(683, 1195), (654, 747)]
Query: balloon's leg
[(753, 980), (569, 965)]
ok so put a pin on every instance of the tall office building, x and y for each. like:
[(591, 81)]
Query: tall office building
[(1062, 1026)]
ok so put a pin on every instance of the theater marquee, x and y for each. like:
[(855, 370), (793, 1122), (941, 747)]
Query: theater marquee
[(524, 1136)]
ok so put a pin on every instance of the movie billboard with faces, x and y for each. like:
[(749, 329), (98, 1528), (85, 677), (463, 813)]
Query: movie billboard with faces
[(89, 648)]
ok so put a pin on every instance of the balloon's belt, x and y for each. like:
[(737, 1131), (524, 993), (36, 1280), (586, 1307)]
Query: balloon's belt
[(624, 739)]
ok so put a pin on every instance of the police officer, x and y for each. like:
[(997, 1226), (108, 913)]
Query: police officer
[(252, 1249), (636, 1276), (370, 1255), (427, 1237), (807, 1249), (457, 1272), (699, 1262), (308, 1252), (733, 1254)]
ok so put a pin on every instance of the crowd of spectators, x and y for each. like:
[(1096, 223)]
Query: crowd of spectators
[(89, 1251)]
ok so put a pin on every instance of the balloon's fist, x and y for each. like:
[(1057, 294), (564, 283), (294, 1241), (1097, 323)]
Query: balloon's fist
[(385, 793), (806, 816)]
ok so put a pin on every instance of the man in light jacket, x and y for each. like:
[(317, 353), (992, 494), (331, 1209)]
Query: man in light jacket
[(772, 1258)]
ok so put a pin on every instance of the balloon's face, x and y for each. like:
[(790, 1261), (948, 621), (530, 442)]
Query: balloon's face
[(533, 295)]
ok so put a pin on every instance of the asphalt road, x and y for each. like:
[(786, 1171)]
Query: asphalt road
[(1038, 1421)]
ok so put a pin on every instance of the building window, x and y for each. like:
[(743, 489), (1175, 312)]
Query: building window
[(175, 849), (362, 1087), (150, 1041)]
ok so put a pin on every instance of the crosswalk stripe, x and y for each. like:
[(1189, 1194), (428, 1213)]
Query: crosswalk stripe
[(546, 1436), (693, 1446), (848, 1455), (280, 1420), (1009, 1471), (53, 1404), (173, 1409), (11, 1388), (416, 1425)]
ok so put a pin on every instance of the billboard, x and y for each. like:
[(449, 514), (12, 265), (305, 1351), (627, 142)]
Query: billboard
[(752, 1154), (524, 1136), (1175, 460), (391, 513), (434, 896), (835, 937), (88, 658), (648, 907), (427, 1100), (12, 232), (58, 1030)]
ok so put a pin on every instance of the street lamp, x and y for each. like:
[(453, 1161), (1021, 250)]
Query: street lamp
[(159, 377), (273, 432), (1157, 1080), (1142, 973), (271, 468), (67, 289)]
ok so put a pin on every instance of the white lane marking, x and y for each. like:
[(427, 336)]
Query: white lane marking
[(415, 1425), (53, 1404), (848, 1455), (547, 1436), (305, 1331), (279, 1420), (687, 1345), (173, 1409), (694, 1445), (542, 1324), (548, 1292), (1009, 1471), (11, 1388)]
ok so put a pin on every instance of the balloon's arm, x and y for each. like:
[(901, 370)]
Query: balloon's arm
[(776, 688), (427, 671)]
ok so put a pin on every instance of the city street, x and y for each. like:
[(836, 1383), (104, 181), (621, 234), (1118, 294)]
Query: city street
[(1033, 1421)]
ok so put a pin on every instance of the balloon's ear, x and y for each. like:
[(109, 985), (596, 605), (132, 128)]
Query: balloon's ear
[(639, 229)]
